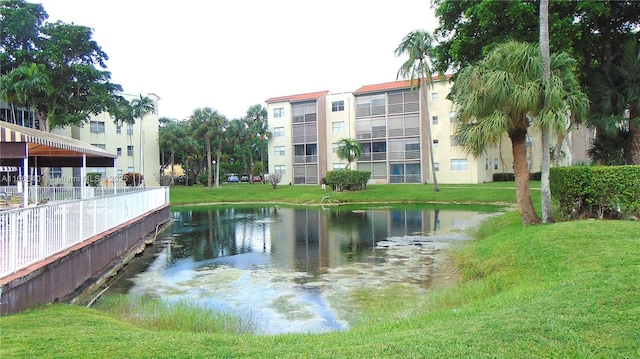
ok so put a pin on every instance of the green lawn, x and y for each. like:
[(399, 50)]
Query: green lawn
[(494, 192), (568, 290)]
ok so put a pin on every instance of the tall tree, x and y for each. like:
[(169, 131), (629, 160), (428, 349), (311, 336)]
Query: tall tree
[(171, 137), (20, 29), (501, 94), (616, 104), (257, 122), (349, 149), (206, 123), (142, 107), (545, 184), (418, 44), (593, 32)]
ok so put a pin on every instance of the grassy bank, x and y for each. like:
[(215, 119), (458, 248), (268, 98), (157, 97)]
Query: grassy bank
[(569, 289), (495, 192)]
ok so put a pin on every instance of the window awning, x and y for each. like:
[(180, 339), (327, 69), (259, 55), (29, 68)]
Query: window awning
[(49, 149)]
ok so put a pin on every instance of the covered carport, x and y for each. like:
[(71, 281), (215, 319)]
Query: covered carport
[(26, 149)]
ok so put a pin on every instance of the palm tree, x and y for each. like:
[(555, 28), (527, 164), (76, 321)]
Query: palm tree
[(29, 82), (418, 45), (140, 108), (207, 123), (616, 97), (257, 122), (501, 94), (349, 149)]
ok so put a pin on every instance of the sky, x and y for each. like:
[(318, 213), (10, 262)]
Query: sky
[(230, 55)]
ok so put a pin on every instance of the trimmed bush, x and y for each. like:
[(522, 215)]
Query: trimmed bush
[(602, 191), (503, 177), (93, 179), (347, 180)]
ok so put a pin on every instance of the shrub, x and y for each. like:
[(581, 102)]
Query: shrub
[(133, 178), (273, 179), (503, 177), (347, 180), (93, 179), (600, 191)]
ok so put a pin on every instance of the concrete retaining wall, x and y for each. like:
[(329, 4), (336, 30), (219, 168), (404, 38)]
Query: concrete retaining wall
[(57, 278)]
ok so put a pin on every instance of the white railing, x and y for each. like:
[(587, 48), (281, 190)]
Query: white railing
[(29, 235), (49, 194)]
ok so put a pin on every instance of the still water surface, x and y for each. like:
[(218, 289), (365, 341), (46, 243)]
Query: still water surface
[(288, 269)]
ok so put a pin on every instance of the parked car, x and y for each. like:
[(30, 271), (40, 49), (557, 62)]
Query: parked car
[(231, 179), (257, 179), (244, 179)]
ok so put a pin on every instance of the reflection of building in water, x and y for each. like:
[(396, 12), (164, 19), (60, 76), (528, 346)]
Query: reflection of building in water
[(315, 240)]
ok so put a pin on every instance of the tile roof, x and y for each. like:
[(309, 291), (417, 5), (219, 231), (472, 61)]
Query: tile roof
[(396, 85), (298, 98)]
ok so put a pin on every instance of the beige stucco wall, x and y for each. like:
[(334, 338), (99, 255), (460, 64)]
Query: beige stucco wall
[(112, 141)]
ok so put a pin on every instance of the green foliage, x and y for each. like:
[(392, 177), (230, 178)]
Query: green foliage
[(71, 81), (93, 179), (599, 191), (504, 177), (348, 180)]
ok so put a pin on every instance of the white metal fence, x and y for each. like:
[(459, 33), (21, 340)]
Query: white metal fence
[(64, 193), (29, 235)]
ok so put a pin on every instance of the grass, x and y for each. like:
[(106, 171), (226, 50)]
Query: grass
[(569, 289), (494, 192)]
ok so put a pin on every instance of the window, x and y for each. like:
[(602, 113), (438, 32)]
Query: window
[(97, 126), (119, 151), (434, 120), (129, 128), (337, 126), (55, 172), (436, 142), (119, 173), (452, 116), (279, 169), (495, 163), (129, 150), (486, 164), (334, 147), (130, 169), (434, 97), (337, 106), (339, 166), (99, 145), (459, 164), (436, 166), (278, 112), (278, 150), (118, 129), (278, 132)]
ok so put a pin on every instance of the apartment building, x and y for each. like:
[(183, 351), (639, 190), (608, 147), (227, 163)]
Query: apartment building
[(125, 140), (389, 120)]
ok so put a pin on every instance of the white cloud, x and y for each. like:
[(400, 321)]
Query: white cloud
[(230, 55)]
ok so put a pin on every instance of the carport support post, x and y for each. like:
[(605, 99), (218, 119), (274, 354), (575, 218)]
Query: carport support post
[(83, 177), (25, 183)]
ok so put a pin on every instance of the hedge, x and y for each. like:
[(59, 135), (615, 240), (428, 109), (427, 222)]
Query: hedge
[(347, 180), (598, 191)]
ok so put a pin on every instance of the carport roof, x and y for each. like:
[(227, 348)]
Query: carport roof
[(45, 144)]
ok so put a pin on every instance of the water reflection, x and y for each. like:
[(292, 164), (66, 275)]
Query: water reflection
[(282, 266)]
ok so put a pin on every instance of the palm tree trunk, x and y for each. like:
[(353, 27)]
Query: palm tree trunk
[(430, 141), (545, 186), (523, 190), (209, 175), (634, 143)]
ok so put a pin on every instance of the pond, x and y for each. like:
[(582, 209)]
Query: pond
[(288, 269)]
